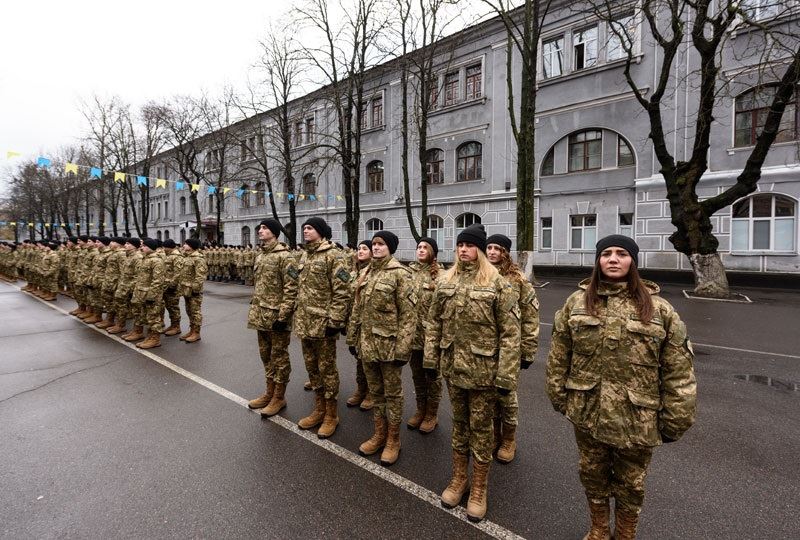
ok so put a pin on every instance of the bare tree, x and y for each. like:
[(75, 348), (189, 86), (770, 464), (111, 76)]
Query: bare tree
[(704, 28)]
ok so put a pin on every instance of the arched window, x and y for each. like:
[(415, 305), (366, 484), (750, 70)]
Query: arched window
[(466, 219), (245, 235), (436, 229), (434, 160), (183, 236), (260, 193), (375, 176), (548, 163), (182, 205), (752, 108), (309, 186), (158, 235), (586, 150), (764, 223), (470, 161), (245, 196), (166, 235), (374, 225), (624, 153)]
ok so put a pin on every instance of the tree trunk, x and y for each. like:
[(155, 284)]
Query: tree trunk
[(709, 275), (525, 262)]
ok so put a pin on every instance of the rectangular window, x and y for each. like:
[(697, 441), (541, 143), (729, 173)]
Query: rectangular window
[(364, 116), (473, 82), (624, 153), (450, 88), (759, 10), (585, 48), (621, 36), (298, 133), (626, 225), (243, 152), (547, 233), (553, 57), (310, 130), (583, 232), (433, 93), (377, 112), (251, 152), (585, 150)]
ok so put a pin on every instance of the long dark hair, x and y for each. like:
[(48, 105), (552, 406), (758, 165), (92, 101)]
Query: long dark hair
[(509, 269), (636, 288)]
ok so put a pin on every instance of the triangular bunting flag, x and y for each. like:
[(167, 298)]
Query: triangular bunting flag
[(43, 162), (195, 188), (71, 168), (225, 190), (141, 180), (179, 185), (95, 172), (119, 177), (312, 198), (11, 154), (161, 183), (239, 193), (212, 190)]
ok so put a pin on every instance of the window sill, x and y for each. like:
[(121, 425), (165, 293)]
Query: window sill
[(735, 149), (743, 28), (304, 145), (760, 253), (374, 129), (460, 105), (588, 71)]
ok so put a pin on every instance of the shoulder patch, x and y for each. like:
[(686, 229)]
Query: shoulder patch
[(343, 275), (292, 271)]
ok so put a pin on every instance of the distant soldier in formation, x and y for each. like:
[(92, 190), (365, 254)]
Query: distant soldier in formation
[(123, 310), (172, 262), (360, 398), (193, 269), (110, 280), (148, 297)]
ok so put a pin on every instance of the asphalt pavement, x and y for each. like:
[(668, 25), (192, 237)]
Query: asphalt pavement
[(101, 441)]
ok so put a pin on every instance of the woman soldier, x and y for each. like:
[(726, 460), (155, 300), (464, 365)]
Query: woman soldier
[(427, 383), (498, 251), (620, 369), (472, 339), (382, 326), (360, 397)]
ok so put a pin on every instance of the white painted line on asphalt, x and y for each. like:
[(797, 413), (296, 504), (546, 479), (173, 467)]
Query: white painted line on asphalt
[(486, 526)]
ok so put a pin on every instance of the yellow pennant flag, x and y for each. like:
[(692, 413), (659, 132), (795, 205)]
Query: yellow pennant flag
[(30, 224), (71, 168), (253, 191), (161, 183), (91, 224), (104, 224), (12, 223), (119, 177), (195, 187), (63, 225), (301, 197), (47, 225), (225, 190), (10, 154), (339, 197)]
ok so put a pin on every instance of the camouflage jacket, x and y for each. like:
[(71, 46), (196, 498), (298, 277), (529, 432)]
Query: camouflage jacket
[(424, 285), (193, 270), (72, 257), (128, 269), (529, 318), (89, 258), (116, 258), (171, 263), (624, 380), (323, 291), (384, 316), (49, 265), (98, 269), (149, 283), (472, 334), (275, 289)]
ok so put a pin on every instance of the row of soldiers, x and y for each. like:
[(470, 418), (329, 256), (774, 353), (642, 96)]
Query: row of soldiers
[(231, 263), (116, 279)]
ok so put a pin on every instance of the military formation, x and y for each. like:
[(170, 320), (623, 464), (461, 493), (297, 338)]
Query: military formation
[(620, 367)]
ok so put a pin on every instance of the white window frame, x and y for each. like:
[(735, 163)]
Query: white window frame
[(586, 44), (583, 228), (613, 38), (772, 219), (625, 230), (369, 225), (545, 42), (543, 228), (437, 233)]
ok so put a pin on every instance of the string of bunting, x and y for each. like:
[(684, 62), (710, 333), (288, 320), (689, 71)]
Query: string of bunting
[(161, 183)]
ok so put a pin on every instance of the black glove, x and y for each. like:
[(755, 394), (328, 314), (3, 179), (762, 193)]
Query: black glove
[(352, 350), (331, 332), (666, 440), (280, 326), (525, 363), (399, 363), (503, 391)]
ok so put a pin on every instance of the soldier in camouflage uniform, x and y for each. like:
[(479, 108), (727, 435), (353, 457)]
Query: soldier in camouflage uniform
[(249, 268), (320, 314), (498, 251), (49, 268), (192, 269), (116, 257), (382, 326), (63, 284), (89, 259), (427, 383), (270, 315), (172, 259), (79, 278), (122, 294), (148, 296), (620, 369), (71, 261), (473, 340), (360, 397), (96, 275)]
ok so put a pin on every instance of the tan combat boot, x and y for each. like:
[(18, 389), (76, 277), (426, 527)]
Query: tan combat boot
[(87, 312), (508, 444), (458, 485), (95, 318), (599, 513), (357, 397), (105, 323), (277, 403), (153, 340), (193, 336), (392, 449), (76, 310), (317, 415), (173, 330), (431, 417), (419, 415), (187, 334), (330, 421), (378, 439), (118, 328), (135, 335), (625, 524), (476, 505), (367, 404), (263, 400)]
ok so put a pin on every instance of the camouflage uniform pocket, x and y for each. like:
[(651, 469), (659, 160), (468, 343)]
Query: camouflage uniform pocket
[(586, 332), (643, 429), (481, 306), (483, 367), (644, 345), (582, 400)]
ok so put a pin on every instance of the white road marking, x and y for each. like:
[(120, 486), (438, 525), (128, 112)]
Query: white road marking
[(486, 526)]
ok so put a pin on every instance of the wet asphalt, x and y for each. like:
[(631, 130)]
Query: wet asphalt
[(99, 441)]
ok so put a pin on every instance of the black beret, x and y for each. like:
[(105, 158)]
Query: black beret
[(474, 234), (273, 225), (367, 243), (319, 225), (501, 240), (152, 243), (83, 237), (389, 238), (431, 242)]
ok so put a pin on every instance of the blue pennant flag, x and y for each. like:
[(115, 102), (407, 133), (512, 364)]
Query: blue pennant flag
[(179, 185), (312, 198), (212, 189), (269, 194), (330, 197), (141, 180), (239, 193), (43, 162), (289, 196), (95, 172)]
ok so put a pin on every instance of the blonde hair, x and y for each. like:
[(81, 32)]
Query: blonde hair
[(485, 275)]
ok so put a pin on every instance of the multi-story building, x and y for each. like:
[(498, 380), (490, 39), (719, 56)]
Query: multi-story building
[(598, 174)]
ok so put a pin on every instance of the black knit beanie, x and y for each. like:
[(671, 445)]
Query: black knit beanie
[(104, 239), (319, 225), (367, 243), (135, 242), (474, 234), (169, 243), (389, 238), (152, 243), (193, 243), (273, 225), (618, 240), (501, 240), (430, 241)]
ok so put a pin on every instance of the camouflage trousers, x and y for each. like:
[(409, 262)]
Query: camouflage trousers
[(273, 347), (50, 284), (149, 315), (608, 471), (173, 306), (473, 430), (385, 383), (122, 308), (361, 377), (96, 298), (507, 408), (426, 387), (108, 300), (320, 359), (193, 305)]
